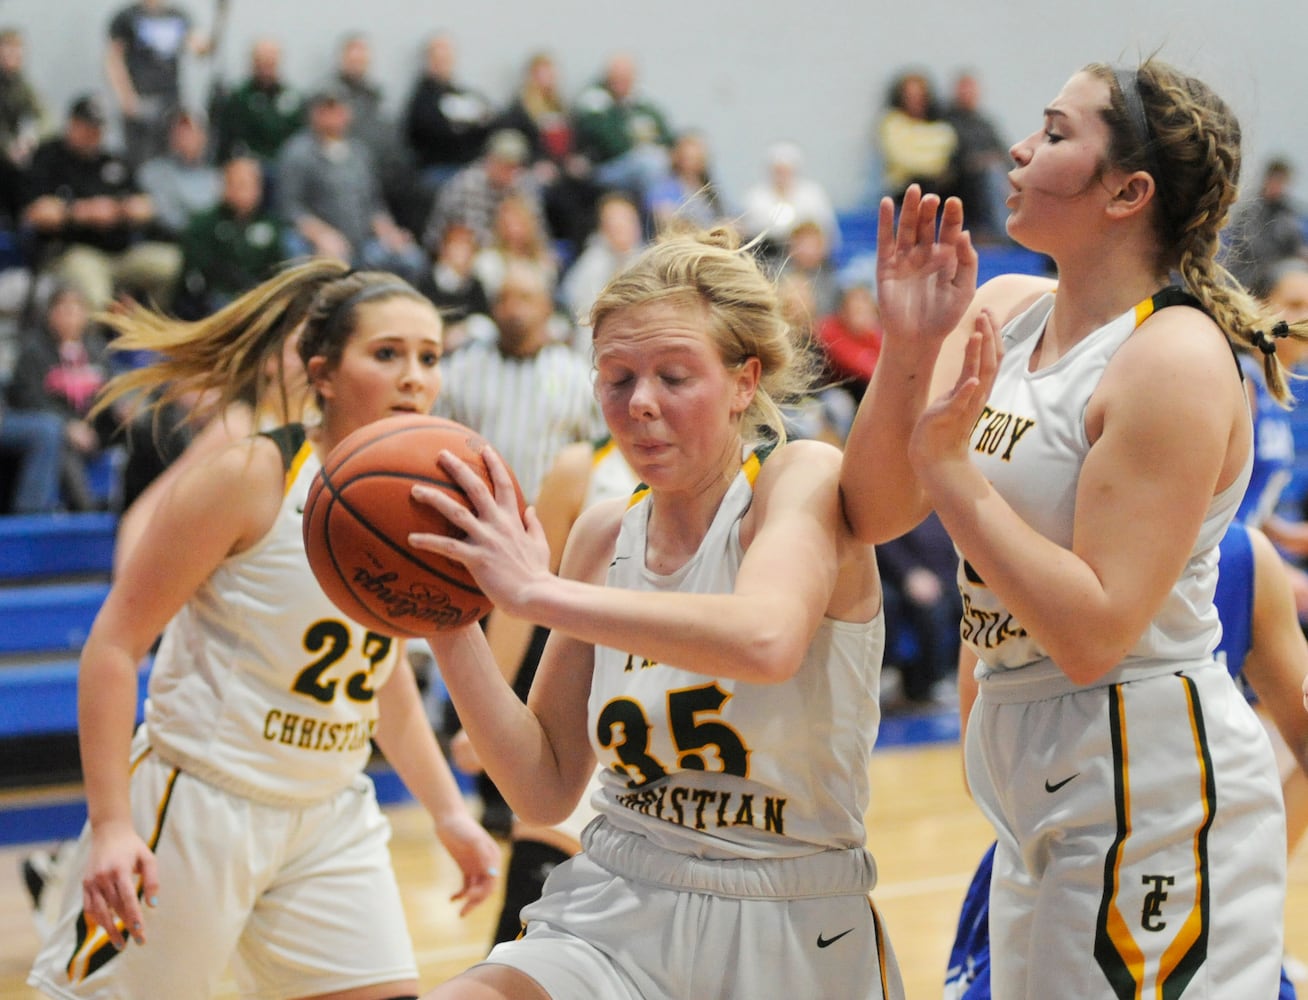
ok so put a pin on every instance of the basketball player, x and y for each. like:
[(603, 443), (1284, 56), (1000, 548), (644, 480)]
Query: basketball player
[(1086, 471), (238, 825), (715, 645), (1261, 642)]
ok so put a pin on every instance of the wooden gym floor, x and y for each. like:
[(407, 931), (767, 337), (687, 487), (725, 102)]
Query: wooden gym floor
[(923, 829)]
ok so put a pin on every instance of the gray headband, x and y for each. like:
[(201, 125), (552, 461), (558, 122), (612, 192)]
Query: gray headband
[(1128, 83)]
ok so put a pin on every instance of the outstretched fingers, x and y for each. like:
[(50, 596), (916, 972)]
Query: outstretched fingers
[(959, 241)]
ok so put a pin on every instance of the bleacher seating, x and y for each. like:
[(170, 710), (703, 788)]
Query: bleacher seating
[(54, 575), (858, 233), (46, 546)]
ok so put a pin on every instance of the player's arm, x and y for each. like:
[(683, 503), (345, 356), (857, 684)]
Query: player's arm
[(759, 632), (214, 510), (1161, 422), (538, 754), (1276, 667), (405, 737), (562, 494)]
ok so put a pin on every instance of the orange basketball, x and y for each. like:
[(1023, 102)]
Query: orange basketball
[(358, 517)]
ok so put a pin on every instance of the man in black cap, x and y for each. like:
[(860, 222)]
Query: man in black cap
[(90, 217)]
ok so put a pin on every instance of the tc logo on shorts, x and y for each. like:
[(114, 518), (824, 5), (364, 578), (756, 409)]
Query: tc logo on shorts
[(1152, 912)]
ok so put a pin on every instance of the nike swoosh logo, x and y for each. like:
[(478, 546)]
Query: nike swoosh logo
[(1057, 785), (828, 942)]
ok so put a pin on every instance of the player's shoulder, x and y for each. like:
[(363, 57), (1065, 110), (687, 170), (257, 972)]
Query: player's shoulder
[(1186, 342), (800, 457), (1009, 295), (797, 474)]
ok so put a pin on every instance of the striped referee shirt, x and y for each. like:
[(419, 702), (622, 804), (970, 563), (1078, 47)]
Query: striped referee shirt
[(528, 408)]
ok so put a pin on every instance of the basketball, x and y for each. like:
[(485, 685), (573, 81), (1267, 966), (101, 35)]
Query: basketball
[(358, 516)]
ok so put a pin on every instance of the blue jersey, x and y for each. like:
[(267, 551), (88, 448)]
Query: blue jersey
[(968, 976), (1273, 462)]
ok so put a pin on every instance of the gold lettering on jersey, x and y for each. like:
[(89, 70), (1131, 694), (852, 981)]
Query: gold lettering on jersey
[(1000, 431), (305, 733), (706, 808), (987, 629), (644, 662)]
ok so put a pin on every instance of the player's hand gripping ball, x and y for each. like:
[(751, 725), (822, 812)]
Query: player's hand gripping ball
[(359, 514)]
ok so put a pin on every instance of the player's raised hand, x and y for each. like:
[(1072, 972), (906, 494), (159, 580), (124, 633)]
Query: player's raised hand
[(944, 429), (926, 267)]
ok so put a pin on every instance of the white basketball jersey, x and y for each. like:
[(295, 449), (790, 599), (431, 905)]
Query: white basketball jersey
[(720, 768), (610, 475), (261, 685), (1030, 442)]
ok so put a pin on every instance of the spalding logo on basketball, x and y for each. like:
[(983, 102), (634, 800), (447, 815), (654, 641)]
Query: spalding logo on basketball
[(359, 514)]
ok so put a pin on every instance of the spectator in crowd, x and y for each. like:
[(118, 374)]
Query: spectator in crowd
[(263, 112), (31, 452), (330, 198), (981, 158), (362, 92), (473, 195), (147, 41), (60, 368), (539, 111), (851, 336), (447, 122), (182, 182), (616, 242), (808, 256), (687, 193), (923, 608), (233, 246), (375, 127), (916, 145), (22, 112), (518, 235), (623, 134), (452, 284), (1266, 229), (783, 199), (91, 218)]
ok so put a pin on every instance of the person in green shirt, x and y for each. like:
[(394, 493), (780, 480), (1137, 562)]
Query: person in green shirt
[(232, 247), (263, 112)]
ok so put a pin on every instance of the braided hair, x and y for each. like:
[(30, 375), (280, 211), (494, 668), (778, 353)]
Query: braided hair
[(1189, 141)]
